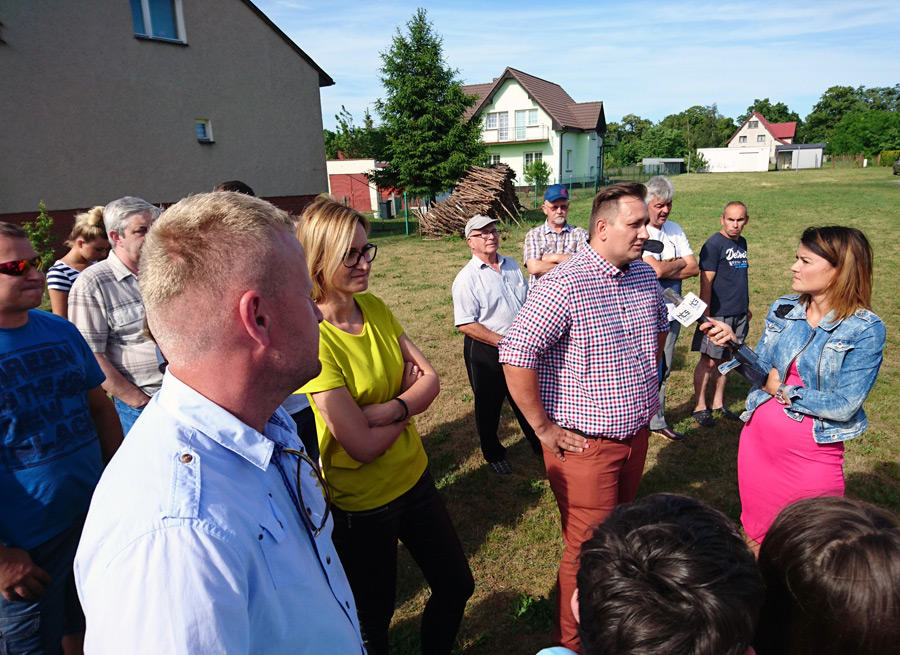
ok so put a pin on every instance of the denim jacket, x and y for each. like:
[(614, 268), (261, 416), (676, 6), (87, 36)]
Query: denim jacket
[(838, 362)]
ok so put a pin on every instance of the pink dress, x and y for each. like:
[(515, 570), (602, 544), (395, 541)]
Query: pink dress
[(779, 462)]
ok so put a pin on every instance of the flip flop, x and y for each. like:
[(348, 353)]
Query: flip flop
[(704, 418)]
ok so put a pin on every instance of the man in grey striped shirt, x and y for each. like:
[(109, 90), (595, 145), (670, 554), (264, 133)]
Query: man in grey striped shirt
[(105, 304)]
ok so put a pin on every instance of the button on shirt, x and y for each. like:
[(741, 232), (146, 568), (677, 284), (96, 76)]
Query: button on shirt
[(193, 544), (482, 295), (105, 305), (590, 330), (544, 240)]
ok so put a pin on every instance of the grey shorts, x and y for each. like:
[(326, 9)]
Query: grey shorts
[(740, 324)]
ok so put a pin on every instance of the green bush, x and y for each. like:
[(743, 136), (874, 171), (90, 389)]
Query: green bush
[(888, 157), (40, 233), (537, 172)]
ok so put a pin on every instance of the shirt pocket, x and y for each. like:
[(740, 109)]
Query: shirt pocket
[(128, 322), (771, 331), (285, 559), (833, 355)]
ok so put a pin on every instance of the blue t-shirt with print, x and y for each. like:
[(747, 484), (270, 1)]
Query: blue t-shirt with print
[(730, 289), (50, 458)]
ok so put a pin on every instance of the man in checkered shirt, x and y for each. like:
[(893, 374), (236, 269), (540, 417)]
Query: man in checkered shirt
[(581, 363), (105, 305), (553, 241)]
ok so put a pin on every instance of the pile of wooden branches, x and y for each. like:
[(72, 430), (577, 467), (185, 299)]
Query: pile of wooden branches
[(487, 191)]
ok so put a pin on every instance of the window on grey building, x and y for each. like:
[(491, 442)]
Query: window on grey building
[(158, 19), (204, 130)]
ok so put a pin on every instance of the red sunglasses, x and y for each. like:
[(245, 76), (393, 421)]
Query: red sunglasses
[(21, 266)]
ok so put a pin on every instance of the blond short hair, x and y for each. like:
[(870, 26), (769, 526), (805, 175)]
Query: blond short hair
[(201, 248), (326, 230)]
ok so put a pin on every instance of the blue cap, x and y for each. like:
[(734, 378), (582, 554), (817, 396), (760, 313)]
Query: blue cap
[(555, 192)]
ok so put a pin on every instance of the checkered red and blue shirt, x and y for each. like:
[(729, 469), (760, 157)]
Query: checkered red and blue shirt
[(591, 330)]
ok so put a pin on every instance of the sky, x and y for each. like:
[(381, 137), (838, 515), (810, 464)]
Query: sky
[(639, 57)]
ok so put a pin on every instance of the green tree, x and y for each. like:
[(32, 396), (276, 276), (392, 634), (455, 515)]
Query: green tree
[(659, 141), (353, 142), (40, 233), (623, 138), (537, 172), (866, 133), (703, 127), (428, 143), (777, 113), (834, 104)]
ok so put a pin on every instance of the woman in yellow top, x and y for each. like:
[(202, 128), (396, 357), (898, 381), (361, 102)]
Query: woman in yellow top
[(373, 381)]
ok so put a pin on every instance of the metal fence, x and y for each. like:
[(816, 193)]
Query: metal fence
[(584, 186)]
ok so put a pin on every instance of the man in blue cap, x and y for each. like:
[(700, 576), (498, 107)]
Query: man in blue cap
[(554, 241)]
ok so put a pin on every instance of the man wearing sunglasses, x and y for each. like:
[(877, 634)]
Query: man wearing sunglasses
[(487, 294), (210, 531), (57, 427), (105, 304)]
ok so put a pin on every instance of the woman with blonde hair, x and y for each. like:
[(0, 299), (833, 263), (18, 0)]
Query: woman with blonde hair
[(88, 243), (823, 349), (373, 381)]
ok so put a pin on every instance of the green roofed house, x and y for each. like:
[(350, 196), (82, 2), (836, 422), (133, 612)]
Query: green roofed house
[(526, 119)]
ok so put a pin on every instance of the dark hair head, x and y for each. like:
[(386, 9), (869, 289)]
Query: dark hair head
[(832, 573), (12, 231), (606, 202), (237, 186), (667, 575), (849, 252)]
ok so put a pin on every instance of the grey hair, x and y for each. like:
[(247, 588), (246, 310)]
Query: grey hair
[(117, 213), (659, 187)]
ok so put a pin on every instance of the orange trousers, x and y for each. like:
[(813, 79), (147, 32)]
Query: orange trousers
[(588, 486)]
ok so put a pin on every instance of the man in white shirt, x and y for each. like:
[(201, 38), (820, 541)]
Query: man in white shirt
[(209, 532), (675, 263)]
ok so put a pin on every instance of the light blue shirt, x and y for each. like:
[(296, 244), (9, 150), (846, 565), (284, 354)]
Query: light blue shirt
[(482, 295), (193, 545)]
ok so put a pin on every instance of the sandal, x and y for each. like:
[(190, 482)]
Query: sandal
[(727, 413), (704, 418)]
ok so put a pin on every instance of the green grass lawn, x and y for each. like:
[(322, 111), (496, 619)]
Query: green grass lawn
[(510, 527)]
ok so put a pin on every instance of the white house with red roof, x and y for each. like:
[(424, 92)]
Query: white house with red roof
[(525, 118), (757, 132)]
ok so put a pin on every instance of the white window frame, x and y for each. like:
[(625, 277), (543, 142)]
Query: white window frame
[(520, 124), (503, 126), (532, 117), (495, 158), (568, 161), (760, 138), (491, 122), (207, 127), (529, 157), (742, 139), (753, 124), (181, 36)]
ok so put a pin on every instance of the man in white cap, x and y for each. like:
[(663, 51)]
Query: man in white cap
[(487, 294)]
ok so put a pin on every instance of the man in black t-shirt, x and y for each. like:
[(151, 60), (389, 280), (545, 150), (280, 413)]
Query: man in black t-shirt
[(724, 288)]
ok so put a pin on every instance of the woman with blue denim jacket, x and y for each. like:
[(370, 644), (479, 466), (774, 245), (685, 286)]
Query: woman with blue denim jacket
[(823, 348)]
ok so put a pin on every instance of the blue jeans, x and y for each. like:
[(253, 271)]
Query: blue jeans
[(127, 415), (37, 627), (367, 544)]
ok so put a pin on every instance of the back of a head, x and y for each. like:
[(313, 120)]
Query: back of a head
[(237, 186), (199, 250), (832, 573), (667, 575)]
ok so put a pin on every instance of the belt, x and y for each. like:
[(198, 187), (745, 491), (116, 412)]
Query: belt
[(596, 437)]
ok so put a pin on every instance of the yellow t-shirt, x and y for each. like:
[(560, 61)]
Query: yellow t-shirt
[(370, 365)]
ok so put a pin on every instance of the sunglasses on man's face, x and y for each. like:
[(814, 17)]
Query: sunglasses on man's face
[(21, 266)]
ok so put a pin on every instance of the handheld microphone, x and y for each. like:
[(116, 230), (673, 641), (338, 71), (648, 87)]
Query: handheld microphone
[(745, 362)]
